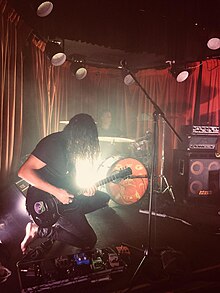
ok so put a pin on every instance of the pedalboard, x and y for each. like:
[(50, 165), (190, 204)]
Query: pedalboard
[(89, 266)]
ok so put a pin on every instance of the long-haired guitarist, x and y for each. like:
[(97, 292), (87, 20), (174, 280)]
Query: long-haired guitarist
[(48, 170)]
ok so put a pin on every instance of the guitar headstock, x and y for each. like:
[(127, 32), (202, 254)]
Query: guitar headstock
[(124, 172)]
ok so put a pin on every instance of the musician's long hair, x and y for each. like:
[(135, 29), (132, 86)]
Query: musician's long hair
[(82, 138)]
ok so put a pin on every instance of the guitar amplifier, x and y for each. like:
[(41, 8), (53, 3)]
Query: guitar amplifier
[(199, 138), (201, 142), (200, 130)]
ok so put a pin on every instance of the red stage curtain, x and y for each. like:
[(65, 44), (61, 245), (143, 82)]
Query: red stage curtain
[(210, 93), (34, 106), (11, 91)]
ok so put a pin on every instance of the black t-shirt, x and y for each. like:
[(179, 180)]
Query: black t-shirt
[(52, 151)]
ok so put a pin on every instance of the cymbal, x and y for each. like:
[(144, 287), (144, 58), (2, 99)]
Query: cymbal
[(63, 122), (115, 139)]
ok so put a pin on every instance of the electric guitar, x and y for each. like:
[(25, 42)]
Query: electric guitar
[(45, 209)]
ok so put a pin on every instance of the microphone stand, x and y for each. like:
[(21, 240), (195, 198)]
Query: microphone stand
[(148, 252)]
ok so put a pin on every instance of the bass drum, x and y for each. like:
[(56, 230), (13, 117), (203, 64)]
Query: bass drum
[(125, 191)]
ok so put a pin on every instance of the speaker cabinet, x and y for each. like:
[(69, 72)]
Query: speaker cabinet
[(196, 175)]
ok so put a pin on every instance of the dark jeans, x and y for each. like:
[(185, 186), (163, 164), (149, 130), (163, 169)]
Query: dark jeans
[(73, 227)]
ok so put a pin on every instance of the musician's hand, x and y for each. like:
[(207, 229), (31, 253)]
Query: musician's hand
[(90, 191), (63, 196)]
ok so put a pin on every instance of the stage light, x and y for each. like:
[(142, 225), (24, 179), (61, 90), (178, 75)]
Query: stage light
[(213, 43), (42, 8), (78, 67), (179, 73), (55, 53)]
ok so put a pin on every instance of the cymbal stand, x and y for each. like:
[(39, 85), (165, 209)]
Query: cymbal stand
[(148, 251), (162, 178)]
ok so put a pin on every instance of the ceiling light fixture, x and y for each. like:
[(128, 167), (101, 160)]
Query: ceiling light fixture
[(213, 43), (43, 8), (180, 73), (78, 67), (55, 53)]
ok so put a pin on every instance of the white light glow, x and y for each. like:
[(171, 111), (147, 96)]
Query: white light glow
[(58, 59), (213, 43), (81, 73), (182, 76), (105, 166), (44, 9), (86, 174), (20, 206)]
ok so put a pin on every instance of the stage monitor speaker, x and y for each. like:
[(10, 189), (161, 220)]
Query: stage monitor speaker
[(196, 176)]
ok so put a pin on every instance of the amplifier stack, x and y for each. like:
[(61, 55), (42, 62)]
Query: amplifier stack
[(196, 164), (199, 137)]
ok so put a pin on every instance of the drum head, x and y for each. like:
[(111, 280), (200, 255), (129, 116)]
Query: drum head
[(130, 190)]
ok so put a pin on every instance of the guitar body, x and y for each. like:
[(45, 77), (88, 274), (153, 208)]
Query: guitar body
[(44, 208)]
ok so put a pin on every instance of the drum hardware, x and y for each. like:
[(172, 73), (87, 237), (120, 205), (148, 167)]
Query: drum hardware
[(115, 139), (111, 146), (148, 251), (167, 187), (146, 137), (161, 176), (142, 148)]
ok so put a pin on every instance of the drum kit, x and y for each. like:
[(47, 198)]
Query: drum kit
[(118, 153)]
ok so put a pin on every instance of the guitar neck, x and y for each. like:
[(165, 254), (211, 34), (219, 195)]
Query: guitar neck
[(107, 180), (121, 174)]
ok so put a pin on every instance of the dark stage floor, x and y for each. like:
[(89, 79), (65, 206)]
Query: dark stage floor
[(184, 255)]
